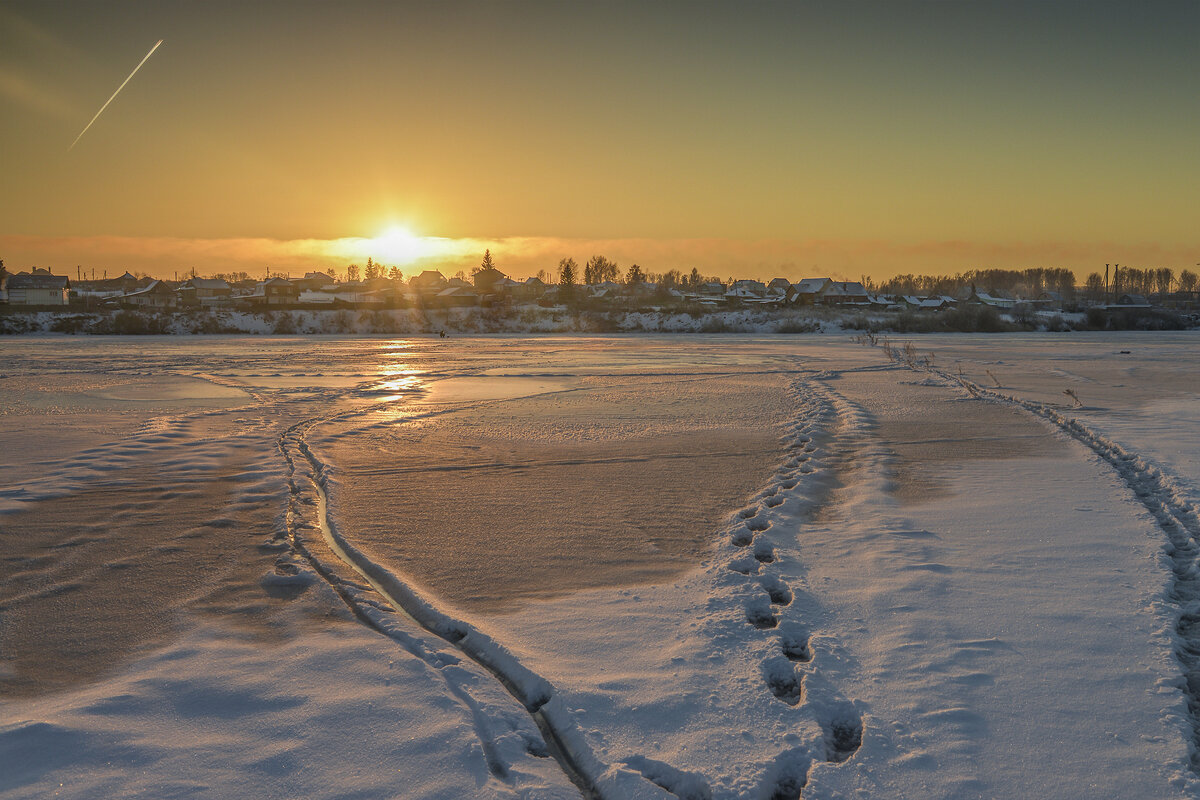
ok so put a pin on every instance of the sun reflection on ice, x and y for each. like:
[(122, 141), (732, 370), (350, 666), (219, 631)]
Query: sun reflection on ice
[(398, 380)]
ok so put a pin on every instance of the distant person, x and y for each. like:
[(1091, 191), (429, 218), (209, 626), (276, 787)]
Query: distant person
[(442, 334)]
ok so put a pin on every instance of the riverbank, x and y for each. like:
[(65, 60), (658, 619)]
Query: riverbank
[(538, 319)]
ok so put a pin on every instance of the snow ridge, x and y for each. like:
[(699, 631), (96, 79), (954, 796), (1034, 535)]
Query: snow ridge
[(1164, 499), (561, 738)]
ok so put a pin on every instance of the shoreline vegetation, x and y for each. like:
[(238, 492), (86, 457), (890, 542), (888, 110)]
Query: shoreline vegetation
[(538, 319)]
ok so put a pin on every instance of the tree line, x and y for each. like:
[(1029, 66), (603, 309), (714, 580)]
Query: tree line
[(1030, 283)]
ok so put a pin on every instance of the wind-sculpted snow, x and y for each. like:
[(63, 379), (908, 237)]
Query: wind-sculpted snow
[(1163, 498)]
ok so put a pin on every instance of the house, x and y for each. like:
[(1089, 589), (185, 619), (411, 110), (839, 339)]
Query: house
[(806, 292), (358, 294), (1049, 299), (844, 293), (315, 281), (455, 297), (38, 288), (529, 290), (110, 287), (746, 288), (985, 299), (274, 292), (1131, 301), (779, 286), (429, 282), (158, 294), (204, 292), (486, 279)]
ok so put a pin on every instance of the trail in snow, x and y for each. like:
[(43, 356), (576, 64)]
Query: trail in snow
[(561, 738), (753, 552), (828, 415), (1162, 497)]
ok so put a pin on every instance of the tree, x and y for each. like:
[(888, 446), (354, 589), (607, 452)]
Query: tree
[(694, 281), (1163, 278), (635, 275), (3, 271), (332, 273), (394, 274), (567, 271), (1188, 280), (372, 269), (1094, 286), (602, 270), (352, 273), (487, 262)]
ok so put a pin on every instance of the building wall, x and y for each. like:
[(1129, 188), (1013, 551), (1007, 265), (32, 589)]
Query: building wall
[(37, 297)]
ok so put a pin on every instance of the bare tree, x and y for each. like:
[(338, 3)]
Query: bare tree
[(1188, 281)]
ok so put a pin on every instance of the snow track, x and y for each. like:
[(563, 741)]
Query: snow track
[(1164, 500), (827, 435), (561, 738), (374, 593)]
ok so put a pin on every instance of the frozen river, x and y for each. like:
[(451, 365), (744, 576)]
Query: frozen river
[(651, 566)]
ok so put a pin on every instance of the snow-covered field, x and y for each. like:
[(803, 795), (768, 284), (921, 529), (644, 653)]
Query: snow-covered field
[(642, 566)]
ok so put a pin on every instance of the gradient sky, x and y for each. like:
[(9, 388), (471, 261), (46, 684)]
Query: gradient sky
[(749, 139)]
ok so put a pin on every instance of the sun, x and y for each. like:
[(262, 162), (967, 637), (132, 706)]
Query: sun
[(398, 245)]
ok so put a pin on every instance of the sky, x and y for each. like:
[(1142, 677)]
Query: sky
[(744, 139)]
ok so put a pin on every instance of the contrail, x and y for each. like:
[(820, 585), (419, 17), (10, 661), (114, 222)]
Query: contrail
[(114, 94)]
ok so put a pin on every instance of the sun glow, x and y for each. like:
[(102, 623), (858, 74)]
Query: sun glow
[(399, 245)]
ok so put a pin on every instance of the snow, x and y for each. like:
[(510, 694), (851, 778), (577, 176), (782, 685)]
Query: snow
[(645, 566)]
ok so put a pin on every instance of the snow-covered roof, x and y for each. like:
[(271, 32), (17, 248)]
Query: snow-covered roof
[(845, 288), (207, 283), (809, 285), (38, 280), (154, 287)]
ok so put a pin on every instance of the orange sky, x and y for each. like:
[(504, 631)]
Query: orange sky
[(746, 140)]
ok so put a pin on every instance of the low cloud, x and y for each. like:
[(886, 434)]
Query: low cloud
[(522, 256)]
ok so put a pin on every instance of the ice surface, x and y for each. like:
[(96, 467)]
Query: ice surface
[(711, 566)]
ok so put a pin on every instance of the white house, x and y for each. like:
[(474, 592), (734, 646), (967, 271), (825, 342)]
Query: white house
[(38, 288)]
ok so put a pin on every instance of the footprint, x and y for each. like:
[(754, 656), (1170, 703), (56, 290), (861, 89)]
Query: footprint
[(777, 590), (745, 566), (782, 680), (742, 537), (758, 523), (795, 647), (787, 777), (843, 733), (764, 552), (760, 615)]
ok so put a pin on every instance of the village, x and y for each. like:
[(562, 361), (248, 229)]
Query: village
[(488, 288)]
